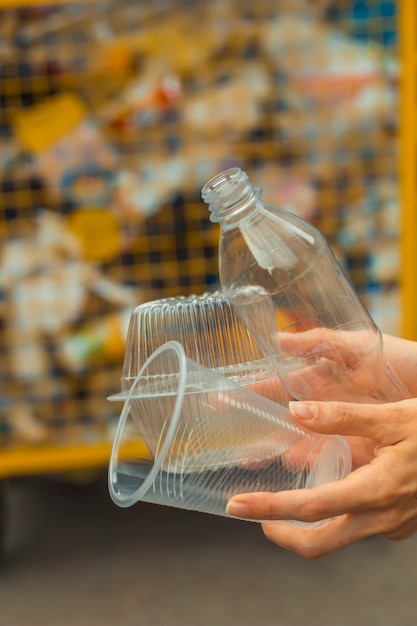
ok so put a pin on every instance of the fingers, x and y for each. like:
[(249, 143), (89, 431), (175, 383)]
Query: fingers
[(305, 505), (326, 502), (327, 379), (378, 498), (273, 389), (338, 345), (337, 533), (403, 532), (362, 450), (383, 423), (400, 354), (312, 543)]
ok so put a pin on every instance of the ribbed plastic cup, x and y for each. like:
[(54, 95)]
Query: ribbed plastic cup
[(191, 438), (211, 334)]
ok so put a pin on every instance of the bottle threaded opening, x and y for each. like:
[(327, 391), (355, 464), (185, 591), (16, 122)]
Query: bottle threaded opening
[(228, 195)]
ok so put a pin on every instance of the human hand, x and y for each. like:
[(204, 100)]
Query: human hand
[(378, 498), (336, 364), (402, 356)]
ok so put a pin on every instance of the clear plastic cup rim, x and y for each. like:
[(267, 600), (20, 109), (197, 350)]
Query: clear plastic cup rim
[(264, 367), (126, 501)]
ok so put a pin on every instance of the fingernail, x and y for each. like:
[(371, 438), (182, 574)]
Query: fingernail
[(237, 509), (303, 410)]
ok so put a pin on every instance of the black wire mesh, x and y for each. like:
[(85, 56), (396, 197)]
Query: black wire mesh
[(112, 117)]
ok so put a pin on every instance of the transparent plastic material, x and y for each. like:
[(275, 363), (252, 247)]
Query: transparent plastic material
[(293, 296), (210, 333), (208, 438)]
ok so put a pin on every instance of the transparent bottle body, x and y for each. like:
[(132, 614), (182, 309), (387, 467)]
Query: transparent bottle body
[(292, 294)]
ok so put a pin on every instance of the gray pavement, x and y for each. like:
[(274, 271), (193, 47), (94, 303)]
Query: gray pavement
[(72, 558)]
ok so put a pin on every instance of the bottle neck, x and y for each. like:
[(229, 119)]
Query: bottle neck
[(231, 197)]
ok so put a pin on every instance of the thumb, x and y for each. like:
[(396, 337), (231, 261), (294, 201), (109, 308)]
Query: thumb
[(384, 423)]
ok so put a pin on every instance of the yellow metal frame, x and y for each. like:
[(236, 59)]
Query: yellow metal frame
[(47, 459), (10, 4), (408, 165)]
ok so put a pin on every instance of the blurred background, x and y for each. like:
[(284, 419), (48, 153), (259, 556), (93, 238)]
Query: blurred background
[(112, 117)]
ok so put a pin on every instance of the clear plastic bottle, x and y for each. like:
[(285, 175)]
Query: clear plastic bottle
[(292, 294)]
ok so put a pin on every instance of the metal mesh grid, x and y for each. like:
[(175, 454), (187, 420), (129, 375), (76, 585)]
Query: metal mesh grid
[(113, 115)]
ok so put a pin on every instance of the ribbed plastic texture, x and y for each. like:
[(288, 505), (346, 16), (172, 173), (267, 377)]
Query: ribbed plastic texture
[(209, 438), (210, 333)]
